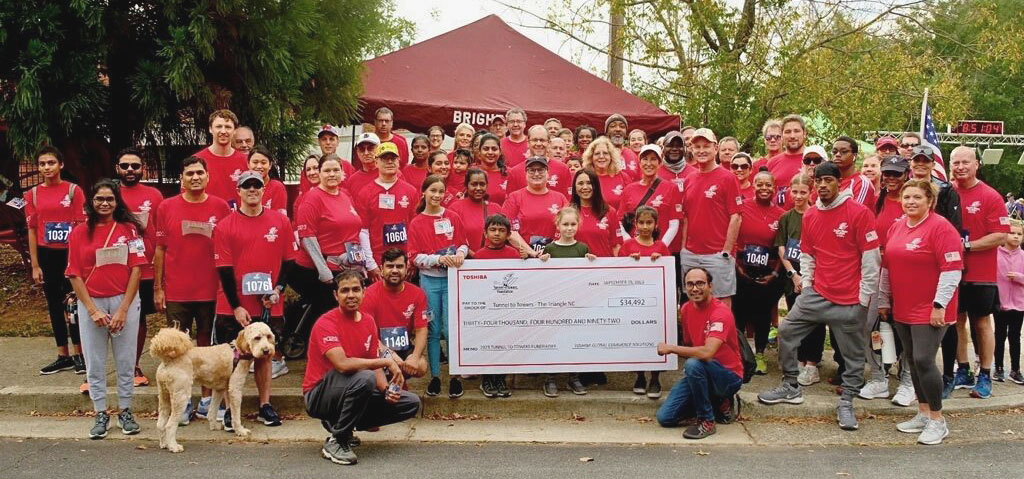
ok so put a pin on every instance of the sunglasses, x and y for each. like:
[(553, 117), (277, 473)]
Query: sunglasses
[(739, 166), (909, 145), (813, 161), (773, 137), (130, 166), (893, 174), (251, 185)]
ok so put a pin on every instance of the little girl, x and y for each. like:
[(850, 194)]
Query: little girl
[(456, 182), (646, 243), (1010, 280)]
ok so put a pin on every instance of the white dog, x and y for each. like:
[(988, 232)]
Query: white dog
[(222, 368)]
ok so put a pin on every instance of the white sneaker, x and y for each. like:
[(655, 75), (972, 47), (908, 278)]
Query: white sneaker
[(875, 389), (278, 368), (808, 375), (934, 432), (252, 367), (905, 394), (914, 425)]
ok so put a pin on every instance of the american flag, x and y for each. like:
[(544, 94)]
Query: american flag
[(930, 137)]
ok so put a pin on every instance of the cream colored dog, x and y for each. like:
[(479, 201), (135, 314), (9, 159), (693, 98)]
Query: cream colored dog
[(182, 363)]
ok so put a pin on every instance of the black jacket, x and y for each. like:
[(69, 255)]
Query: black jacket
[(948, 203)]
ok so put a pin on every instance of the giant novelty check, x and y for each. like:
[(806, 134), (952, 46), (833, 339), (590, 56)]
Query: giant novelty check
[(563, 315)]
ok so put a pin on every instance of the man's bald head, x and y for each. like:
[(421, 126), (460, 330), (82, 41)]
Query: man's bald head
[(964, 152)]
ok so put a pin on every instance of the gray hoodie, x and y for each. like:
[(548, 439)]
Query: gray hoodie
[(870, 260)]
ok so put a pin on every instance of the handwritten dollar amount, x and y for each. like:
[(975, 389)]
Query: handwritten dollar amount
[(632, 302)]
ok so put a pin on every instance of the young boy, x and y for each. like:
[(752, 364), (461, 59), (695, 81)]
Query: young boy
[(1010, 280), (496, 229)]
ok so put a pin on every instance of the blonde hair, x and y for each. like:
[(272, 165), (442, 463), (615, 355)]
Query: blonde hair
[(930, 190), (565, 211), (613, 165), (1017, 223), (802, 179)]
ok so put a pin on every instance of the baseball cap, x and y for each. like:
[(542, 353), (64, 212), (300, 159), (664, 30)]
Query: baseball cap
[(816, 149), (674, 135), (367, 138), (886, 140), (386, 148), (329, 130), (537, 159), (896, 164), (923, 150), (498, 119), (827, 168), (706, 134), (655, 148), (249, 175)]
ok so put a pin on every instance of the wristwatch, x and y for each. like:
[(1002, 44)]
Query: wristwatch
[(725, 254), (790, 273), (967, 246)]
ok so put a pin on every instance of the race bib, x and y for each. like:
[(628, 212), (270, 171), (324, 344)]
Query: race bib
[(792, 249), (57, 232), (756, 256), (443, 226), (394, 234), (447, 251), (117, 254), (539, 242), (780, 196), (254, 284), (396, 339), (138, 247), (196, 228), (17, 203), (386, 201), (354, 254)]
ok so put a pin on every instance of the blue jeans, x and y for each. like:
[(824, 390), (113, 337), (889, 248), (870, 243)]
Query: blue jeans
[(692, 395), (436, 289)]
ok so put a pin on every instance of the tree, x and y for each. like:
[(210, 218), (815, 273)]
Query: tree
[(94, 76)]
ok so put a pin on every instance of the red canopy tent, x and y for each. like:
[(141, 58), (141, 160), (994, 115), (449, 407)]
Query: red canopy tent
[(479, 71)]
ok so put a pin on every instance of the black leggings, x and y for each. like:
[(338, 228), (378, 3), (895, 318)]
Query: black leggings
[(752, 307), (920, 343), (1008, 325), (53, 262), (949, 351)]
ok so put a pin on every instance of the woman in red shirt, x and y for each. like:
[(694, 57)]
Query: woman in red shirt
[(475, 208), (416, 170), (757, 265), (275, 197), (921, 269), (52, 208), (437, 241), (599, 222), (439, 165), (603, 157), (493, 163), (310, 179), (584, 135), (741, 166), (532, 210), (104, 266), (889, 206)]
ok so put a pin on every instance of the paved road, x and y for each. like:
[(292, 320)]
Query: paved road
[(119, 459)]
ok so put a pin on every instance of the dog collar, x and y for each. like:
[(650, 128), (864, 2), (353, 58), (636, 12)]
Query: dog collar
[(238, 355)]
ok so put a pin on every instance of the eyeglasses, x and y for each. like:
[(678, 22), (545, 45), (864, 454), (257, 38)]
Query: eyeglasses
[(536, 171), (695, 284), (130, 166), (813, 160), (104, 199), (773, 137), (739, 166), (909, 145), (843, 152)]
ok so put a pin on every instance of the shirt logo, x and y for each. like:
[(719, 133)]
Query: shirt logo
[(603, 224), (657, 201), (913, 245), (366, 344), (235, 174), (553, 209), (404, 201), (146, 206), (271, 235), (952, 256), (212, 220), (739, 199), (1004, 220), (716, 326), (841, 230), (711, 191), (121, 240), (553, 181), (632, 166), (66, 202), (504, 185), (330, 339), (774, 226), (408, 311), (679, 183), (974, 207), (617, 190)]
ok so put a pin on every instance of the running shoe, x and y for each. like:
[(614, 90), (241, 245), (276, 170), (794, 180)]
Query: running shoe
[(550, 388), (905, 395), (100, 427), (934, 432), (1016, 377), (268, 415), (454, 388), (999, 374), (79, 363), (845, 415), (186, 415), (728, 410), (227, 421), (126, 420), (783, 393), (278, 368), (915, 425), (654, 389), (809, 375), (503, 389), (62, 363), (982, 388), (487, 387), (204, 407), (434, 388), (577, 387), (963, 379), (640, 385), (773, 336), (875, 389), (140, 378), (338, 451), (700, 430), (947, 386), (762, 365)]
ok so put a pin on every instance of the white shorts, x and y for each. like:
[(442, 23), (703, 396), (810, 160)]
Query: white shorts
[(723, 271)]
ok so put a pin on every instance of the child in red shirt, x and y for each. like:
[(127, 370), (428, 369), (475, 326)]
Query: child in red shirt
[(646, 241)]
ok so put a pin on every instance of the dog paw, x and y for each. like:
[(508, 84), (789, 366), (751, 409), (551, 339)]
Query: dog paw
[(242, 432), (175, 447), (216, 426)]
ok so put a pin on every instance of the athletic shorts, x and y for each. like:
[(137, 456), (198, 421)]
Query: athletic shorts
[(723, 271), (183, 313), (226, 328), (978, 299)]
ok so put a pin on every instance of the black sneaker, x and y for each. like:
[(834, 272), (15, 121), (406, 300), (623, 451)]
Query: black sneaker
[(999, 374), (355, 441), (488, 388), (454, 388), (268, 415), (338, 451), (434, 388), (503, 389), (654, 389), (728, 410), (79, 363), (227, 421), (63, 363), (640, 385), (550, 388), (99, 429), (126, 420), (577, 387), (700, 430)]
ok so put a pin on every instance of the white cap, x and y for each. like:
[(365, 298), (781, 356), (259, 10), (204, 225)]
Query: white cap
[(704, 133), (655, 148), (816, 149), (328, 129), (368, 138)]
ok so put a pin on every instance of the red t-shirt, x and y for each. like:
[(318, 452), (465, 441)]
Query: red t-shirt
[(515, 153), (914, 257), (253, 244), (275, 197), (679, 179), (143, 201), (892, 210), (386, 213), (454, 186), (600, 235), (332, 220), (983, 213), (414, 175), (748, 192), (223, 172), (355, 183), (497, 187), (533, 215), (186, 231), (630, 164), (862, 189), (758, 228), (54, 213), (429, 234), (612, 187), (123, 252), (711, 198), (667, 199), (559, 177), (836, 238), (784, 167), (631, 246), (506, 252), (713, 321), (336, 329), (405, 309), (473, 217)]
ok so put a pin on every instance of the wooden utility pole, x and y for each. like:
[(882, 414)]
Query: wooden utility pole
[(615, 26)]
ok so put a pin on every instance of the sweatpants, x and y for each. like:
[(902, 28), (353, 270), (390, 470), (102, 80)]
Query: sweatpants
[(845, 322), (95, 343), (1008, 325), (53, 262), (920, 343), (345, 402)]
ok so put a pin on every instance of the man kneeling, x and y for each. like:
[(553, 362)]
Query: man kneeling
[(714, 370), (346, 384)]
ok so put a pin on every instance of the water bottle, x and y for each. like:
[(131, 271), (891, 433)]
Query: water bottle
[(888, 343)]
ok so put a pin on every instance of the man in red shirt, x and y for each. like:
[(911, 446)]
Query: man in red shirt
[(366, 163), (675, 168), (143, 202), (384, 120), (223, 162), (498, 126), (184, 276), (844, 155), (985, 225), (346, 385), (387, 204), (784, 166), (327, 138), (714, 371), (839, 248), (712, 205), (886, 147), (514, 147), (243, 140), (771, 131), (559, 176), (616, 129), (400, 309)]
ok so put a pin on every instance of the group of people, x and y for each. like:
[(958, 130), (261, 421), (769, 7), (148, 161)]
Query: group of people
[(367, 244)]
